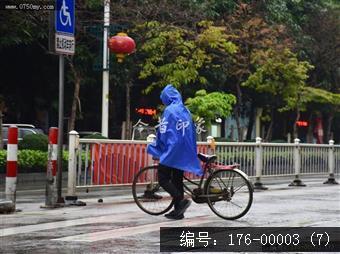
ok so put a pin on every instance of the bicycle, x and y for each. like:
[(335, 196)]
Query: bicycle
[(225, 188)]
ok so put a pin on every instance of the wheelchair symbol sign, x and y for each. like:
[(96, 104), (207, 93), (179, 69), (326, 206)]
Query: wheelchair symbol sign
[(65, 16)]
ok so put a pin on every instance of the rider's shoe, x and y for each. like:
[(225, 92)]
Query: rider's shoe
[(151, 195), (182, 206), (178, 213), (170, 214), (174, 216)]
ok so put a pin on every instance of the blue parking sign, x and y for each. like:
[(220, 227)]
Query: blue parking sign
[(64, 16)]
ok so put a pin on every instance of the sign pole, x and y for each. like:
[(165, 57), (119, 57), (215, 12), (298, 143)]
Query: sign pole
[(61, 129), (64, 45)]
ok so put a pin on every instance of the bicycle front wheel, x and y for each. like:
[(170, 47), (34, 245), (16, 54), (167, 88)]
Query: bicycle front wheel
[(148, 194), (229, 194)]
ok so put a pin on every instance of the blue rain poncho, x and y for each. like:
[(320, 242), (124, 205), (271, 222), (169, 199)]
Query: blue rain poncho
[(175, 145)]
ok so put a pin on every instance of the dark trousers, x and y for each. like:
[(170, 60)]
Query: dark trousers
[(171, 179)]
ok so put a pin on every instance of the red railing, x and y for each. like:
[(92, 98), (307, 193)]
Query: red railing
[(117, 163)]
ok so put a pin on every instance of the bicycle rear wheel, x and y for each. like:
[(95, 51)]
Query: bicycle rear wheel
[(148, 194), (230, 194)]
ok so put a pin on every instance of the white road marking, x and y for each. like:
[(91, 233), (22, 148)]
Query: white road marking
[(122, 232), (67, 223)]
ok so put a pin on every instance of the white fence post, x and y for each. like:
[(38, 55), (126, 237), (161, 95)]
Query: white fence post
[(297, 164), (259, 165), (331, 164), (71, 198)]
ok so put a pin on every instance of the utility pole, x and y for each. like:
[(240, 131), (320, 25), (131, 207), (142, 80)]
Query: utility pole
[(105, 95), (60, 128)]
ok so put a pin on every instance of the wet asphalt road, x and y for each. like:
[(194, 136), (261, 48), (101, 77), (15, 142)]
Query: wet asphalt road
[(118, 226)]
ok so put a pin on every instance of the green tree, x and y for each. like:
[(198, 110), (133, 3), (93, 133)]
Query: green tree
[(282, 75), (323, 50), (176, 55), (211, 105), (314, 26), (79, 75), (323, 96), (247, 29), (23, 27)]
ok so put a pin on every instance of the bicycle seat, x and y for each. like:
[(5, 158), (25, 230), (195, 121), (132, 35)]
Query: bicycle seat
[(206, 157)]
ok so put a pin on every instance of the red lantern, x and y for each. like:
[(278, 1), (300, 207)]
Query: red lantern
[(121, 45)]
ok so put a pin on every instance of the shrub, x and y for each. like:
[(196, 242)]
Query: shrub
[(3, 158), (95, 136), (278, 141), (221, 139), (30, 161), (34, 142)]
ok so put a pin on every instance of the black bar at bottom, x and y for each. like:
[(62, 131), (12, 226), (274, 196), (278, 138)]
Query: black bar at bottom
[(250, 239)]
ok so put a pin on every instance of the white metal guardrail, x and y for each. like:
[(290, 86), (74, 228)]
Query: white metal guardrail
[(337, 160), (102, 162)]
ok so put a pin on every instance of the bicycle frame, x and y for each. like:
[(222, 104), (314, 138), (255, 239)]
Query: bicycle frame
[(208, 166)]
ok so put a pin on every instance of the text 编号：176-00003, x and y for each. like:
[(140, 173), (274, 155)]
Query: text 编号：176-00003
[(251, 239)]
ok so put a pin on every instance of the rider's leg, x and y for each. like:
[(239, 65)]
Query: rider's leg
[(165, 180), (166, 176), (183, 204), (177, 180)]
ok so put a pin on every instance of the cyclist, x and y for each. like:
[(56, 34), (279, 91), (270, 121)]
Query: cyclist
[(176, 149)]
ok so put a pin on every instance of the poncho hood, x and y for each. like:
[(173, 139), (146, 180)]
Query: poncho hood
[(170, 95)]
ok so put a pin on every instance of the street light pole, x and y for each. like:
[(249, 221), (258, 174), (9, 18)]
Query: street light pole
[(105, 95)]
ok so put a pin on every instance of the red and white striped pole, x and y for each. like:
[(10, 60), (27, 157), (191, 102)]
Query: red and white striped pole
[(12, 165), (51, 195), (53, 141)]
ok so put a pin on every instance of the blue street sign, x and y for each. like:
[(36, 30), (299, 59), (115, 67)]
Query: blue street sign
[(64, 18)]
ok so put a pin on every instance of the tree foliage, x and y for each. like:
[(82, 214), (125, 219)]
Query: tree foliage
[(323, 49), (22, 27), (322, 96), (281, 75), (251, 33), (176, 55), (211, 105)]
